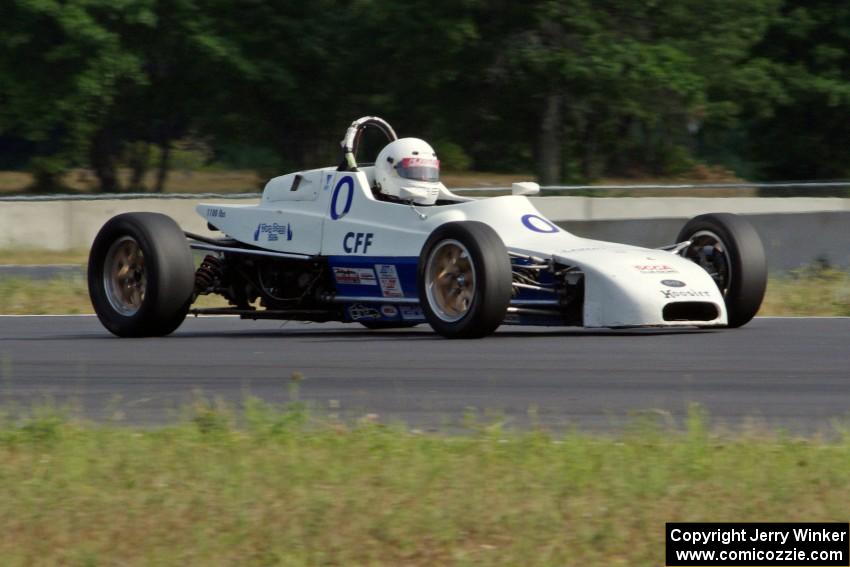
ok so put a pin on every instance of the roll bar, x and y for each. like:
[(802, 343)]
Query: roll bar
[(352, 139)]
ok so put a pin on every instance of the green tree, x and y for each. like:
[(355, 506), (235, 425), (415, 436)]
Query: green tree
[(319, 65), (572, 88), (613, 85), (60, 68), (804, 135), (187, 61)]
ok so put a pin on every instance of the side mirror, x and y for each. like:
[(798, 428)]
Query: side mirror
[(525, 188), (412, 193)]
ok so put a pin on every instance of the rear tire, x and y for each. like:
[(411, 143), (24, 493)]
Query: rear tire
[(730, 249), (141, 275), (465, 280)]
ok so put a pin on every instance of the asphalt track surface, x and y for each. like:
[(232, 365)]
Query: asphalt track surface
[(791, 373)]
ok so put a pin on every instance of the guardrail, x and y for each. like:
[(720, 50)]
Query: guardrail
[(125, 197), (544, 189), (62, 222), (678, 186)]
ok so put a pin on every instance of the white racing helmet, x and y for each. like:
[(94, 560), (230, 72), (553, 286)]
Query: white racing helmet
[(408, 169)]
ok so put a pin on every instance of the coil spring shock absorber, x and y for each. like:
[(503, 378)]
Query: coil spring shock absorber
[(208, 273)]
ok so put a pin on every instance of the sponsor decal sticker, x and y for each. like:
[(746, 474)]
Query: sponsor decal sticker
[(539, 224), (411, 313), (671, 294), (274, 231), (355, 276), (389, 311), (673, 283), (360, 312), (357, 242), (388, 278), (655, 269)]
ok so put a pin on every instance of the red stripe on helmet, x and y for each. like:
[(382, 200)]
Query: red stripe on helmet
[(420, 162)]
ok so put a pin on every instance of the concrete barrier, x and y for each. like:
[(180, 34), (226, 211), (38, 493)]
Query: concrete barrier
[(796, 231), (791, 240), (610, 208), (66, 225)]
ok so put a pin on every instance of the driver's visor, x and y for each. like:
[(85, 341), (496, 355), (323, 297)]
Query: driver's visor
[(419, 169)]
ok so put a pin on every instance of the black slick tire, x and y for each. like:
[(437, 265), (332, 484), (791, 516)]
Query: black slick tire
[(488, 266), (167, 270), (744, 291)]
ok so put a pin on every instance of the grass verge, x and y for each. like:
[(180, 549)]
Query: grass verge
[(809, 291), (814, 290), (35, 256), (284, 490), (61, 296)]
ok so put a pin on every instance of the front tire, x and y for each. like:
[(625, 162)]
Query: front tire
[(730, 250), (141, 275), (464, 280)]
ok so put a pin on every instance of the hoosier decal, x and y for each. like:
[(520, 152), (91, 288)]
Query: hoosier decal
[(670, 294)]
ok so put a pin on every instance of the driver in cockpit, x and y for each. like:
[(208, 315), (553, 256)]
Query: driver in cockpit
[(408, 171)]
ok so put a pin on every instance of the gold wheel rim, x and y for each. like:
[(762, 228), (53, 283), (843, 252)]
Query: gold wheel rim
[(717, 263), (450, 283), (124, 276)]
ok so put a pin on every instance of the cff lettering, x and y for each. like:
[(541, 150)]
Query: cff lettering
[(357, 242)]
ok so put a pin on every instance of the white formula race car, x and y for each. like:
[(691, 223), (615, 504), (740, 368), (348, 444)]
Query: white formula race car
[(387, 245)]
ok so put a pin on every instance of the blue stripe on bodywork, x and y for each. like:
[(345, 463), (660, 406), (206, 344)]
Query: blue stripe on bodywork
[(404, 268), (374, 307), (377, 279)]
